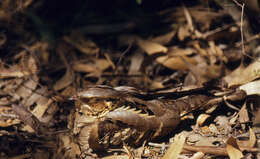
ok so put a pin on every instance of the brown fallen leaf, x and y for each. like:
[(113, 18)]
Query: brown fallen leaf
[(66, 80), (72, 149), (257, 119), (184, 32), (233, 149), (92, 67), (28, 118), (176, 147), (7, 117), (243, 115), (117, 157), (220, 151), (102, 64), (206, 149), (156, 85), (83, 44), (243, 74), (27, 88), (3, 39), (174, 59), (151, 47), (197, 155), (136, 63), (201, 119), (165, 38), (252, 138)]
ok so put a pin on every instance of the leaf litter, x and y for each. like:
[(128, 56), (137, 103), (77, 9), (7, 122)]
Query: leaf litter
[(173, 52)]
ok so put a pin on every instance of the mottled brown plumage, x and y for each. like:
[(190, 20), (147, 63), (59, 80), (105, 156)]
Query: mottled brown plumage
[(108, 117)]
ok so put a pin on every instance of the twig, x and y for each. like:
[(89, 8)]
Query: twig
[(231, 8), (123, 54), (254, 37), (242, 6), (128, 151), (229, 105), (221, 151), (241, 28), (217, 30)]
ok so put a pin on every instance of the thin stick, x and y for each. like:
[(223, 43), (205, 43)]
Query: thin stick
[(241, 28), (241, 31)]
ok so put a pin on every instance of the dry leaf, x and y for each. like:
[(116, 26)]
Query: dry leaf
[(117, 157), (223, 123), (253, 5), (243, 114), (200, 15), (257, 118), (213, 71), (211, 109), (136, 63), (233, 149), (3, 39), (7, 117), (82, 67), (102, 64), (176, 147), (252, 138), (156, 85), (126, 40), (83, 44), (205, 140), (184, 32), (151, 47), (201, 119), (197, 155), (213, 129), (27, 128), (233, 120), (251, 88), (175, 63), (14, 71), (202, 51), (165, 38), (243, 75), (42, 105), (72, 149), (66, 80), (31, 65), (26, 89), (205, 130), (98, 67)]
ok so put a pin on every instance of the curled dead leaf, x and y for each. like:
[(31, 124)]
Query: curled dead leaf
[(201, 119), (66, 80)]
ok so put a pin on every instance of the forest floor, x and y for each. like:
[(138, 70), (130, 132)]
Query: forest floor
[(167, 51)]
